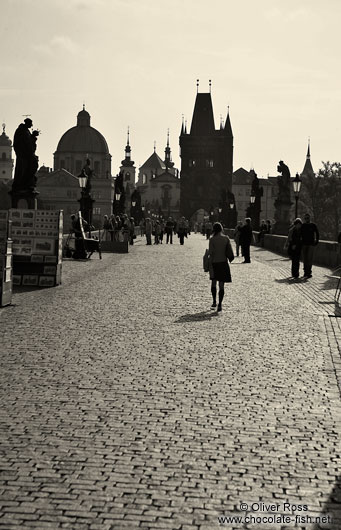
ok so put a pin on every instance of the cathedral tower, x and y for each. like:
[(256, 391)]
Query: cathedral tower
[(128, 169), (206, 159)]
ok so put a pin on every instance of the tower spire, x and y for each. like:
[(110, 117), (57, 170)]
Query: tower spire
[(182, 125), (308, 168), (127, 162), (228, 128), (168, 157)]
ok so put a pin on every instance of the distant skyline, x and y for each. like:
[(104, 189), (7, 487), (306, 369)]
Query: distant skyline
[(135, 63)]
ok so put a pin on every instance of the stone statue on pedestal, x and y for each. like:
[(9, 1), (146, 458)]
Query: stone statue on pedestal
[(26, 165), (24, 193)]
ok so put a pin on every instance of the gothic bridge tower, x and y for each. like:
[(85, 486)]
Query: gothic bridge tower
[(206, 159)]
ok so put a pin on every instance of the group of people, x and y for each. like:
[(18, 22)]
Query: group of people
[(303, 236), (158, 228), (119, 228), (243, 237)]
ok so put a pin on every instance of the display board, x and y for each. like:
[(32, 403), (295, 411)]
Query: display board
[(5, 260), (37, 237)]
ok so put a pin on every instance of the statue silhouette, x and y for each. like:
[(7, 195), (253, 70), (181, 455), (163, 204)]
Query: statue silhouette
[(26, 165)]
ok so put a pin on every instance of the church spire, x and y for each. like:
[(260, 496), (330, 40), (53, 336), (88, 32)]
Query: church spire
[(182, 126), (168, 157), (127, 161), (228, 128), (308, 168)]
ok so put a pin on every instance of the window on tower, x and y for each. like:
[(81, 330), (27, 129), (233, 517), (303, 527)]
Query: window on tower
[(209, 162), (144, 178), (3, 157), (78, 166), (97, 167), (192, 163)]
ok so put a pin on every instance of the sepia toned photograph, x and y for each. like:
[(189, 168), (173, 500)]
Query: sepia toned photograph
[(30, 279), (44, 246), (170, 327), (46, 281)]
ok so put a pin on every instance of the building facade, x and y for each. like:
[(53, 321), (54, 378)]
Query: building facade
[(6, 157), (206, 160), (241, 187), (159, 185)]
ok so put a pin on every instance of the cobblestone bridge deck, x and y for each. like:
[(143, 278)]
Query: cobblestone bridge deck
[(127, 403)]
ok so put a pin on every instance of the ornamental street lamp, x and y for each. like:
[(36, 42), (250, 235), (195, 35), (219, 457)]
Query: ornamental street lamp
[(254, 209), (86, 201), (297, 187)]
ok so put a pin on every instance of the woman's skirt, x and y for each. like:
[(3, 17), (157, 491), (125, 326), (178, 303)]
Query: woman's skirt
[(221, 272)]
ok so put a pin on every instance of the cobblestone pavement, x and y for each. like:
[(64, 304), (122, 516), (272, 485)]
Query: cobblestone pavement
[(128, 403)]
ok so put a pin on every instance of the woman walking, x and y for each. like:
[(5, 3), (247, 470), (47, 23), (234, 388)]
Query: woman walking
[(220, 253)]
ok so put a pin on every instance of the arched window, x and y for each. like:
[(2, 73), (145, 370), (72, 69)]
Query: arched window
[(144, 178)]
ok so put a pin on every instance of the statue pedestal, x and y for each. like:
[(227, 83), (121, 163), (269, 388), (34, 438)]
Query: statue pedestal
[(282, 216), (25, 199)]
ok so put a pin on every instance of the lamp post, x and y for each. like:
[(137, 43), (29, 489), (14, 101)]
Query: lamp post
[(297, 188), (86, 201)]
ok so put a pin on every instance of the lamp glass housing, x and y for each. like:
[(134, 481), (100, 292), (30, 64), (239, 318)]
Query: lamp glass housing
[(231, 205), (133, 203), (82, 181), (252, 199), (117, 196), (297, 184)]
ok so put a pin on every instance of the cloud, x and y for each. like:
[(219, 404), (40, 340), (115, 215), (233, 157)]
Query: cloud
[(286, 14), (58, 43)]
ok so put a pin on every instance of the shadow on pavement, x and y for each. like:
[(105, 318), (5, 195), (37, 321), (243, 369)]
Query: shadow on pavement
[(332, 510), (197, 317), (290, 279), (330, 283)]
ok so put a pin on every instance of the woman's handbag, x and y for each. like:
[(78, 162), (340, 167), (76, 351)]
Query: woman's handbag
[(229, 252), (205, 261)]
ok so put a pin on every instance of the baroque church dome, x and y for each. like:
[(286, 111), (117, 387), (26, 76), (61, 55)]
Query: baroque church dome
[(82, 142), (82, 138)]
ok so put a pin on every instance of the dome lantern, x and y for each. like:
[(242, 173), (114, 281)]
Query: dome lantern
[(83, 118)]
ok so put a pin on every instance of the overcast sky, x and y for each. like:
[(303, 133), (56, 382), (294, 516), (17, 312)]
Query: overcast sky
[(276, 63)]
